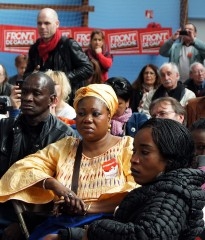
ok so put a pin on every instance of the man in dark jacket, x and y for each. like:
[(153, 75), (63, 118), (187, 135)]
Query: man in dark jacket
[(32, 130), (55, 52), (196, 82)]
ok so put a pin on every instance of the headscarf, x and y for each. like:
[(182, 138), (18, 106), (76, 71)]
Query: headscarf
[(101, 91)]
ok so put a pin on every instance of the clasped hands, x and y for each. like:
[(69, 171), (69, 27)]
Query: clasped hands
[(69, 204)]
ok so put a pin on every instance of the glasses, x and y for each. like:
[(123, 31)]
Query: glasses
[(147, 73), (162, 114), (198, 71)]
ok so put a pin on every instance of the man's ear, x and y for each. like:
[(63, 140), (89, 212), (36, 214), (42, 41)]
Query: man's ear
[(57, 23), (53, 99)]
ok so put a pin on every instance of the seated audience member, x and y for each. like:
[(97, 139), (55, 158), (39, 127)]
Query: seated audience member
[(147, 80), (170, 86), (104, 171), (168, 107), (5, 87), (63, 89), (169, 203), (198, 133), (20, 64), (124, 121), (97, 51), (187, 50), (32, 130), (195, 110), (196, 82)]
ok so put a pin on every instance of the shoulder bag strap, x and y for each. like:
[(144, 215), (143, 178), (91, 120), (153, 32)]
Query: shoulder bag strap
[(76, 168)]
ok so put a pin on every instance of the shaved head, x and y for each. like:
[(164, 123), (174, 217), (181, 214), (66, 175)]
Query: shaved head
[(49, 12), (47, 23)]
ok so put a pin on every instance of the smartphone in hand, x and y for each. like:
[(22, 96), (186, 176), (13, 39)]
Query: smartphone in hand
[(19, 83)]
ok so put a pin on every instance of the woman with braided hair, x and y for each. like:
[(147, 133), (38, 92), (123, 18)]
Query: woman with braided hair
[(169, 203)]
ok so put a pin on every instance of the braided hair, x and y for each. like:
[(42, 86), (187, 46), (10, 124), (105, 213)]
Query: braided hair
[(174, 142)]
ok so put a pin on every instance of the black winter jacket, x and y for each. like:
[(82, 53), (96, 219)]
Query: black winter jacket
[(12, 137), (68, 57), (5, 89), (198, 90), (169, 208)]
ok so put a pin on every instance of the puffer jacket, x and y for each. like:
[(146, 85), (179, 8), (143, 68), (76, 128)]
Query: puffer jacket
[(169, 208), (12, 137)]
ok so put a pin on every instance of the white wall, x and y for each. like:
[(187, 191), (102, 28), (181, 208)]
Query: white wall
[(200, 24)]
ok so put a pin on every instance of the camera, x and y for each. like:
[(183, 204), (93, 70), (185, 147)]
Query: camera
[(5, 104), (183, 32)]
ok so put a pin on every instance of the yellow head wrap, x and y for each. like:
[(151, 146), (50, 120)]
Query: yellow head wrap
[(101, 91)]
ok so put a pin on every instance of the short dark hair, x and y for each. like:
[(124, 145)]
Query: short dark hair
[(174, 141), (121, 86), (21, 59), (48, 82)]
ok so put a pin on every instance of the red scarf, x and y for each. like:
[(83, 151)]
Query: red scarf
[(45, 47)]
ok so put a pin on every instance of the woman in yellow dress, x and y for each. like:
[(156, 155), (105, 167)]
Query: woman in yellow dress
[(104, 171)]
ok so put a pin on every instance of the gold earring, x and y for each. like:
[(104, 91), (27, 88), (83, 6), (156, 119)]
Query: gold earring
[(109, 127)]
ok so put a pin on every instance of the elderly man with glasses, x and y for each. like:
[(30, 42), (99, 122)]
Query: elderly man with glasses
[(196, 82)]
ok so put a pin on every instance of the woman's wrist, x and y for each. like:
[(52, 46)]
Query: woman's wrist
[(46, 183)]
